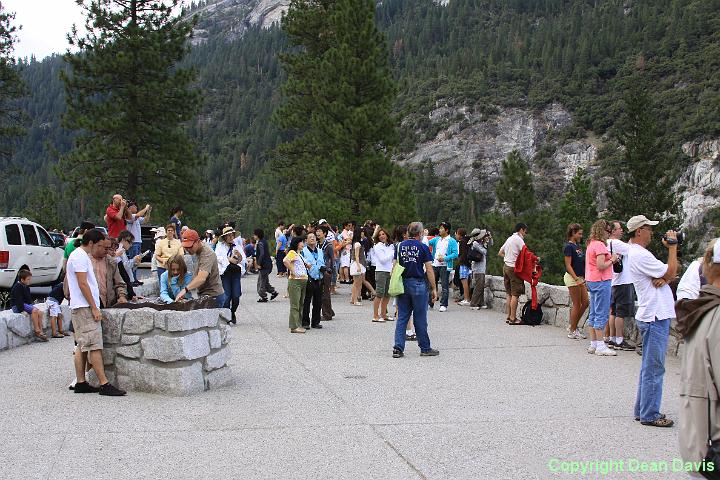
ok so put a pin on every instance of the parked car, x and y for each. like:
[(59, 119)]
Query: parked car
[(25, 244), (73, 234), (57, 238), (148, 241)]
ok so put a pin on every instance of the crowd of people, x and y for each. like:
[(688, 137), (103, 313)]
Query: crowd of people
[(607, 277)]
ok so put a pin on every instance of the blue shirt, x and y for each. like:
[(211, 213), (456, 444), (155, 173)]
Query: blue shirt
[(413, 254), (281, 243), (169, 292)]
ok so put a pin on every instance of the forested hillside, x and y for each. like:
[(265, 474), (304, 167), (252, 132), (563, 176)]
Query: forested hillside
[(583, 54)]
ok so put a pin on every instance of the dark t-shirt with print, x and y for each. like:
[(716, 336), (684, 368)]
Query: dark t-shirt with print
[(412, 254), (577, 258)]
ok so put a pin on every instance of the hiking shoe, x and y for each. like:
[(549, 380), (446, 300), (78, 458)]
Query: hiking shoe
[(430, 353), (660, 422), (591, 350), (662, 415), (624, 346), (273, 296), (397, 353), (85, 387), (109, 390), (605, 352)]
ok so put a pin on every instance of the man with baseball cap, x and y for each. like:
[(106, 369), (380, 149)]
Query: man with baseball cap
[(656, 309), (206, 277)]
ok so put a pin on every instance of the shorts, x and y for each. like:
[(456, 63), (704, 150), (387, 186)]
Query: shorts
[(622, 303), (570, 281), (88, 332), (27, 308), (382, 284), (344, 260), (514, 286), (465, 272), (357, 269), (53, 307)]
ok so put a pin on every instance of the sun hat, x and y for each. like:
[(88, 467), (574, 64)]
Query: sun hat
[(639, 221), (227, 231)]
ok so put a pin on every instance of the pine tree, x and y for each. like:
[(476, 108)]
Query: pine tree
[(128, 100), (643, 181), (578, 204), (11, 86), (339, 95), (515, 187)]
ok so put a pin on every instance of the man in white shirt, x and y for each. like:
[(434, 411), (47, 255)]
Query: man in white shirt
[(514, 286), (622, 302), (691, 281), (86, 316), (656, 309)]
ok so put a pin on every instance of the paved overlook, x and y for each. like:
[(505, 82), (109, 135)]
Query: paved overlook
[(499, 402)]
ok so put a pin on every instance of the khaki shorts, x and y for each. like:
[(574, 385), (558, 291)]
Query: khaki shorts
[(570, 281), (88, 332), (514, 286), (382, 284)]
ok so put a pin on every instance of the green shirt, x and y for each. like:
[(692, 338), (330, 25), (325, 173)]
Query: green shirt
[(70, 247)]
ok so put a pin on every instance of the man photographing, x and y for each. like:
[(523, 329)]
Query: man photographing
[(656, 309)]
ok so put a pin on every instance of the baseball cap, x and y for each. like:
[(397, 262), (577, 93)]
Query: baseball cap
[(189, 237), (639, 221)]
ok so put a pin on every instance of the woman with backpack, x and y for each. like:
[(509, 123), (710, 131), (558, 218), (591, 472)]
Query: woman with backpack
[(480, 241)]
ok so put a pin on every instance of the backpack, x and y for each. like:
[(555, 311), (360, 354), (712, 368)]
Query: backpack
[(473, 255), (531, 316)]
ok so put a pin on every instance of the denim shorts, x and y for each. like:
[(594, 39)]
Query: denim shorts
[(27, 308)]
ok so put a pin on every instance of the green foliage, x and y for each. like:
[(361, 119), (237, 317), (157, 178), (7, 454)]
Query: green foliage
[(11, 87), (338, 100), (643, 180), (578, 203), (129, 102), (515, 188)]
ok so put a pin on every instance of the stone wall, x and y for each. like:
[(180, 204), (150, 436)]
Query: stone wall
[(555, 301), (167, 352)]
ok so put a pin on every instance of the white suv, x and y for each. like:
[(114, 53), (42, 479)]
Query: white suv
[(25, 244)]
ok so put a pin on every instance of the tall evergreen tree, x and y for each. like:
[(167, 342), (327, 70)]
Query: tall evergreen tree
[(11, 86), (578, 204), (128, 100), (515, 187), (338, 100), (643, 180)]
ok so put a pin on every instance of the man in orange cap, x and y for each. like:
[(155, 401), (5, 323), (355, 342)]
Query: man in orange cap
[(206, 277)]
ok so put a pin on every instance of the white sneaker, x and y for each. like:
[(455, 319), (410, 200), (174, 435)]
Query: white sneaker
[(464, 303), (591, 350), (606, 352), (580, 334), (484, 307), (443, 309), (573, 336), (474, 308)]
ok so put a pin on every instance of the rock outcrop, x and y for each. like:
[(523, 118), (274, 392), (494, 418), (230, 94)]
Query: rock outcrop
[(700, 184)]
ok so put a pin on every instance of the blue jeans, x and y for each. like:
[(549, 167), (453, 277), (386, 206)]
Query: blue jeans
[(649, 394), (160, 271), (599, 310), (233, 290), (132, 252), (442, 275), (414, 301), (335, 270)]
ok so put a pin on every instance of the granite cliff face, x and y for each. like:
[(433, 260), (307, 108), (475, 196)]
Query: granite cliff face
[(472, 145), (700, 184)]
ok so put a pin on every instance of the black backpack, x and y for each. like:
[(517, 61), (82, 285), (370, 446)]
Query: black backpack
[(474, 255), (531, 316)]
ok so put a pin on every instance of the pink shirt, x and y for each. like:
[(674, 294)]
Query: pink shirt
[(592, 274)]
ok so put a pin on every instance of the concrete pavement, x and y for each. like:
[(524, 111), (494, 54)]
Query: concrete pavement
[(499, 402)]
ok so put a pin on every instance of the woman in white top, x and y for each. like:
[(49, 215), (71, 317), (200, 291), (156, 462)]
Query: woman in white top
[(230, 266), (383, 254)]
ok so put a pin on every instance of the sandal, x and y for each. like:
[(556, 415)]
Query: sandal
[(379, 320), (516, 322), (63, 333), (660, 422), (41, 337), (57, 335)]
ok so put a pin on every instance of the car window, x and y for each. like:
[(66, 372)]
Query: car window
[(29, 234), (12, 233), (45, 239)]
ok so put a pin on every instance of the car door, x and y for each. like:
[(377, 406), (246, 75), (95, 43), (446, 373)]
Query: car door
[(52, 256), (34, 254)]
